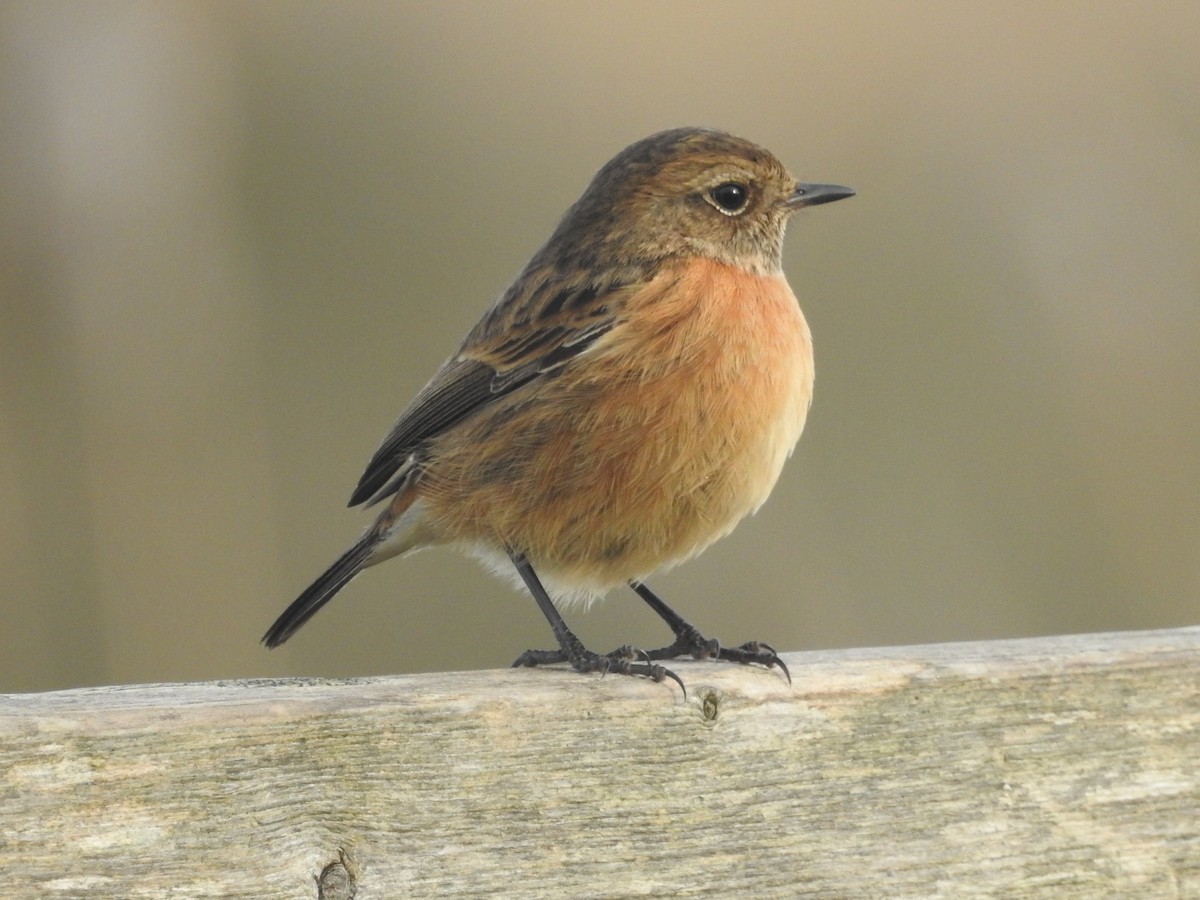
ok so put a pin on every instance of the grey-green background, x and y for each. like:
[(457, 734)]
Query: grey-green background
[(236, 238)]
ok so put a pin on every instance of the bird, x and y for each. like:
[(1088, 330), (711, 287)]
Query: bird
[(624, 403)]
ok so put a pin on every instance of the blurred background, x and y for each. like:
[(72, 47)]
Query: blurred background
[(236, 238)]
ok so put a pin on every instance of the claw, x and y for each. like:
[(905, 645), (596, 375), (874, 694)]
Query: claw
[(776, 661), (756, 652), (658, 673), (679, 681)]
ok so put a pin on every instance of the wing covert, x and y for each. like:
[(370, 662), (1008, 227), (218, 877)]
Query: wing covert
[(521, 338)]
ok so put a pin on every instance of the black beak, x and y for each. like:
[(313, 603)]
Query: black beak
[(815, 194)]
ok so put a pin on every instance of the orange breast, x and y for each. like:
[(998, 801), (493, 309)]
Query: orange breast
[(645, 449)]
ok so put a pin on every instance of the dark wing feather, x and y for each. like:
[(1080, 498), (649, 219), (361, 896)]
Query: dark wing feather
[(459, 387), (524, 336)]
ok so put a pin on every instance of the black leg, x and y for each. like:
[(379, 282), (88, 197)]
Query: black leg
[(625, 661), (690, 642)]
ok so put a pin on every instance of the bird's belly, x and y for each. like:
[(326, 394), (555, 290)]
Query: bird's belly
[(650, 448)]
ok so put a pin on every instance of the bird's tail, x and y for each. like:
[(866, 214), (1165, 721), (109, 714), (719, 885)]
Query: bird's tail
[(323, 589)]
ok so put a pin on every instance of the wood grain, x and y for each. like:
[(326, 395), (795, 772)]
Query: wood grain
[(1053, 767)]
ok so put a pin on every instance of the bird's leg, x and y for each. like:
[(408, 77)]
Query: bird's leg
[(690, 642), (626, 661)]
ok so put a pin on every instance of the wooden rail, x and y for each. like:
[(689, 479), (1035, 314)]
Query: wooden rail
[(1054, 767)]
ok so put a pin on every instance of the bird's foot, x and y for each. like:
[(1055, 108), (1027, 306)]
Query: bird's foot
[(690, 642), (625, 660)]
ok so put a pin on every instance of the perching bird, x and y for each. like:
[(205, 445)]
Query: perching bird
[(626, 402)]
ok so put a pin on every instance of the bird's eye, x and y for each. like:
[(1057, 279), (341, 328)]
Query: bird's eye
[(730, 198)]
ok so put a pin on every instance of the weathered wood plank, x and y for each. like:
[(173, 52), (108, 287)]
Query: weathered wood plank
[(1054, 767)]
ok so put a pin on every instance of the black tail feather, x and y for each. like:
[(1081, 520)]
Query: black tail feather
[(321, 591)]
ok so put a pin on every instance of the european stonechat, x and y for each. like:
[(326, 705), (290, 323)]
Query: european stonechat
[(623, 404)]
